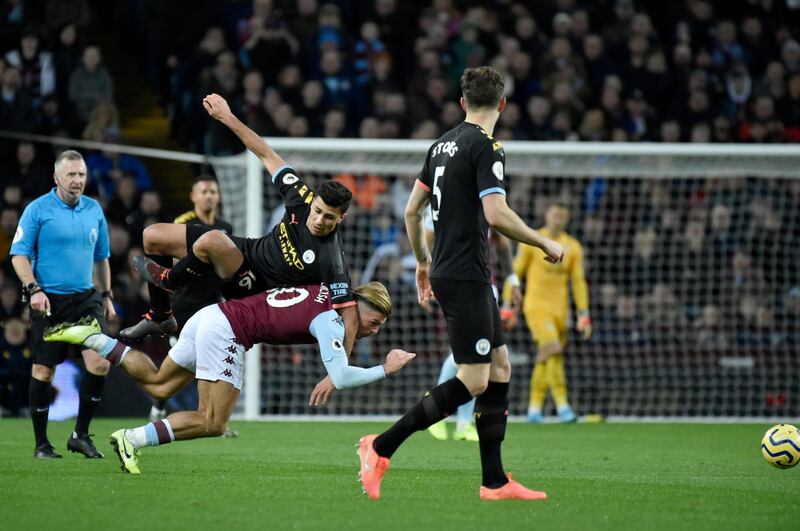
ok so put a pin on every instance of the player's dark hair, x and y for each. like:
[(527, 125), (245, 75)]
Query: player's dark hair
[(205, 177), (335, 195), (482, 86)]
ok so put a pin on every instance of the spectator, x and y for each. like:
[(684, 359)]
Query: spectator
[(36, 68), (15, 368), (106, 168), (89, 84), (103, 123), (28, 171), (16, 107)]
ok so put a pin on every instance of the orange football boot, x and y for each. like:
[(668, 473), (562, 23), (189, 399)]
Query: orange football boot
[(373, 467), (512, 490)]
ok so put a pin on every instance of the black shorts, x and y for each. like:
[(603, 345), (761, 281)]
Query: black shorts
[(246, 281), (193, 233), (473, 319), (63, 308)]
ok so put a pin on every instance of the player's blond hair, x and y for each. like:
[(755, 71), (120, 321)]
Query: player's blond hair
[(376, 295)]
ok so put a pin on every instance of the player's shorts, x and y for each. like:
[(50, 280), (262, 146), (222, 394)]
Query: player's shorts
[(63, 308), (208, 348), (193, 233), (473, 319), (547, 327)]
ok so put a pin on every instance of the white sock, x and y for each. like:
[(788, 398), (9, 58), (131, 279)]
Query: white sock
[(137, 437), (100, 343)]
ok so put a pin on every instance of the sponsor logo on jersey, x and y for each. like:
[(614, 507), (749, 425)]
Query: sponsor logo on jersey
[(288, 249), (483, 346), (339, 289), (449, 147), (497, 169), (322, 294), (290, 178), (309, 256), (18, 235)]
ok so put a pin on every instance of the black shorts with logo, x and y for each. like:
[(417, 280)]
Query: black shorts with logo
[(246, 281), (63, 308), (473, 318)]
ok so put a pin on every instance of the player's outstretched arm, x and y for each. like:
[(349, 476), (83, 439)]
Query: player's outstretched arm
[(507, 222), (218, 108), (395, 360)]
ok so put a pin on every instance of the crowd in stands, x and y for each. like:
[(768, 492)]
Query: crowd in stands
[(708, 257)]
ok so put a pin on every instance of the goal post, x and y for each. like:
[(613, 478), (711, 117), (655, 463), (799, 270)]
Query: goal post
[(690, 259)]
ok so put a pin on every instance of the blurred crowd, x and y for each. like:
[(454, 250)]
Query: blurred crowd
[(702, 263), (621, 70)]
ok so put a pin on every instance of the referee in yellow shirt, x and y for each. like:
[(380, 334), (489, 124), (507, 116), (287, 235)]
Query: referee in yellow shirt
[(546, 310)]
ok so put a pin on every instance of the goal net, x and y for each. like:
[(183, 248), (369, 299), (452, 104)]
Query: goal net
[(691, 254)]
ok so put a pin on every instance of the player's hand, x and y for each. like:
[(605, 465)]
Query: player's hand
[(584, 325), (396, 360), (216, 106), (424, 290), (553, 251), (508, 316), (40, 303), (428, 304), (108, 308), (322, 391)]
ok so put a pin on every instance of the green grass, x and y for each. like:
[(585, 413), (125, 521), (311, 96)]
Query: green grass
[(303, 476)]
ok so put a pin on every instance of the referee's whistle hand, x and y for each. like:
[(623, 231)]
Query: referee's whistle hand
[(40, 303)]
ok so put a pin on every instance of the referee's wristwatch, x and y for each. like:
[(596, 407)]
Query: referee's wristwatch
[(32, 288)]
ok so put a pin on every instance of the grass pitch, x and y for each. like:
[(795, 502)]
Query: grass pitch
[(303, 476)]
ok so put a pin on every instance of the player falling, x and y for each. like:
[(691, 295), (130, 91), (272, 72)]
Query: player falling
[(211, 349)]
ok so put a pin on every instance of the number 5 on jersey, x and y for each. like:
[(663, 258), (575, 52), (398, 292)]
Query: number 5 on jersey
[(437, 192)]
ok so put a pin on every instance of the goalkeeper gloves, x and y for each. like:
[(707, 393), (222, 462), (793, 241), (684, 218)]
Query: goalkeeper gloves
[(584, 325)]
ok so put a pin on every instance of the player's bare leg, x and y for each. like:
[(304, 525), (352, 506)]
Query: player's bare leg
[(213, 252), (165, 239), (161, 383), (217, 400)]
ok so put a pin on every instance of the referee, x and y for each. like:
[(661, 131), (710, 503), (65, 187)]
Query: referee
[(61, 240)]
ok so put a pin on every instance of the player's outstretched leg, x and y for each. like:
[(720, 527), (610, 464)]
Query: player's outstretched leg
[(437, 404)]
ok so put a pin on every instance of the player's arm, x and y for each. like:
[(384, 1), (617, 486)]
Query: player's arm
[(218, 108), (327, 327), (337, 277), (417, 202), (102, 268), (507, 222), (22, 248), (580, 293), (489, 160)]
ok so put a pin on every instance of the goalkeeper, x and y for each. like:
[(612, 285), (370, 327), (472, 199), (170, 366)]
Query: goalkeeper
[(546, 307)]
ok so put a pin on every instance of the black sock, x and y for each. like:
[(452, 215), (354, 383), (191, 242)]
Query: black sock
[(438, 403), (90, 394), (39, 398), (159, 299), (491, 417), (188, 268), (160, 404)]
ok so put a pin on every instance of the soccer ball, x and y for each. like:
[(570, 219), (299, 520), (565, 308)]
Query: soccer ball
[(781, 446)]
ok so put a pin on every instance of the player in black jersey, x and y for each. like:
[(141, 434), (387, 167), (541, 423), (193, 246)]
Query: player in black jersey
[(199, 293), (463, 180), (205, 197), (304, 248)]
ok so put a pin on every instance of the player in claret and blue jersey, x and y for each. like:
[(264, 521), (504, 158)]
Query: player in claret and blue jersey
[(211, 349)]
